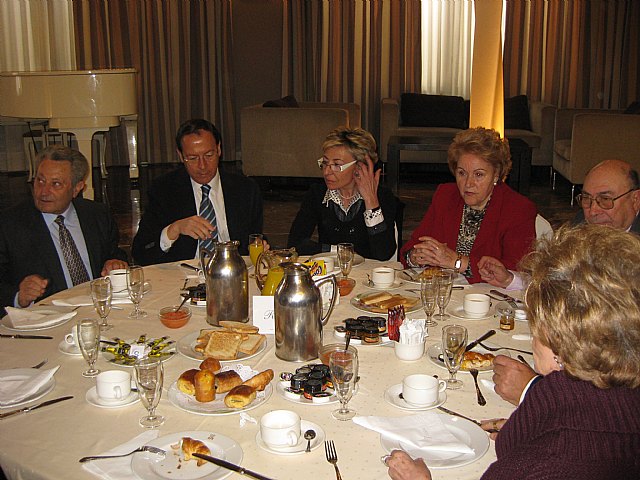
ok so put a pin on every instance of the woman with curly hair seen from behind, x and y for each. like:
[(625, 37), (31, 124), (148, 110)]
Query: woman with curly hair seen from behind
[(581, 420)]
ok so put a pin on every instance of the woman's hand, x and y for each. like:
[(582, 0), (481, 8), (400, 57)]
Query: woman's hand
[(367, 182), (494, 272), (403, 467), (431, 252), (492, 425)]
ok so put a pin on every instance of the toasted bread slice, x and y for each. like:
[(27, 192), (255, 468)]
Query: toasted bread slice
[(238, 327), (394, 301), (223, 345), (250, 345), (375, 298)]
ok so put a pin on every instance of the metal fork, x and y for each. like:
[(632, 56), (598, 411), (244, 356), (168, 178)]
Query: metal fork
[(144, 448), (41, 363), (332, 456), (495, 349)]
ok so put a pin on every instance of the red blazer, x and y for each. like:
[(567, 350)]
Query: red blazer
[(506, 233)]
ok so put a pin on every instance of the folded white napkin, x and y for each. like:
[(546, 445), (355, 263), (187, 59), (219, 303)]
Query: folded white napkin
[(120, 468), (28, 318), (14, 387), (488, 384), (424, 431), (85, 301)]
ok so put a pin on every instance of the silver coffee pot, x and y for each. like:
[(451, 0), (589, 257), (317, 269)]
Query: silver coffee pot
[(298, 313), (227, 283)]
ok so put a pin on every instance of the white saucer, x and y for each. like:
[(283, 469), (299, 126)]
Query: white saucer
[(125, 293), (458, 312), (69, 348), (301, 446), (393, 286), (392, 396), (93, 399)]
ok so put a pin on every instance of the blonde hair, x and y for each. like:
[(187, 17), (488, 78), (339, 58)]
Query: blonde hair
[(584, 302), (486, 144), (358, 142)]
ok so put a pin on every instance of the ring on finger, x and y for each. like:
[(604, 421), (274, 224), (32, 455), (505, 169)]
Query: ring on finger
[(384, 459)]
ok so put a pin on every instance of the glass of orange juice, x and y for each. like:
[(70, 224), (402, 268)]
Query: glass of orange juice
[(255, 247)]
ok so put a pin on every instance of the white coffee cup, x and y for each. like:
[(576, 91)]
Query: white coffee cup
[(421, 389), (476, 304), (409, 351), (72, 338), (280, 428), (113, 385), (329, 263), (383, 276), (118, 277)]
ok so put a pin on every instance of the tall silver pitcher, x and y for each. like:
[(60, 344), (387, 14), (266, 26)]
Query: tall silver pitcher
[(298, 313), (227, 284)]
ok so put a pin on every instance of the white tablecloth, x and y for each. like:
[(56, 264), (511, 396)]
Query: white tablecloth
[(46, 444)]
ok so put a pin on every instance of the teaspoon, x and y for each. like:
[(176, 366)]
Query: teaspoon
[(308, 436)]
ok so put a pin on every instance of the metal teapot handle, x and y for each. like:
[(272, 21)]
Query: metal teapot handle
[(204, 253), (332, 279)]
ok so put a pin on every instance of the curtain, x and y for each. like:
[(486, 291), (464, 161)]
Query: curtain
[(181, 50)]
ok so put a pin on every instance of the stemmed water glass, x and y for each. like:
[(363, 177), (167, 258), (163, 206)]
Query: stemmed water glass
[(135, 286), (102, 294), (149, 377), (344, 375), (428, 294), (345, 258), (444, 279), (88, 335), (454, 341)]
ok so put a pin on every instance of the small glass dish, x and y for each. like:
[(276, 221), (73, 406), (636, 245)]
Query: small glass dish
[(326, 350), (345, 286), (171, 318)]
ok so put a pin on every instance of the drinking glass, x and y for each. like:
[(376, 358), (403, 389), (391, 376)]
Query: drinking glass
[(344, 372), (445, 283), (454, 342), (428, 294), (256, 247), (345, 258), (149, 376), (101, 294), (88, 334), (135, 285)]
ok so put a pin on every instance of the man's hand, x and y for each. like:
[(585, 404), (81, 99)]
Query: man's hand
[(31, 288), (511, 377), (195, 227), (403, 467), (112, 264), (494, 272)]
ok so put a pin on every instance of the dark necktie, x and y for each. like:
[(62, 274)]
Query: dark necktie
[(207, 212), (77, 270)]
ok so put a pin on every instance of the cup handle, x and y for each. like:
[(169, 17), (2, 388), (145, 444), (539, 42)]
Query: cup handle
[(118, 392), (443, 386), (293, 438)]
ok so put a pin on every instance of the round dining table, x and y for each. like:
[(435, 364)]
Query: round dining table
[(47, 443)]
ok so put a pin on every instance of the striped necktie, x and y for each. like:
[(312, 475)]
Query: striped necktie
[(207, 212), (77, 270)]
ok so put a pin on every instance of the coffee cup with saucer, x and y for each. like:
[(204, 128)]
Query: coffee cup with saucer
[(301, 446)]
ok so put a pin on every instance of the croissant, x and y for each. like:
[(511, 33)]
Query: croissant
[(261, 380), (191, 446)]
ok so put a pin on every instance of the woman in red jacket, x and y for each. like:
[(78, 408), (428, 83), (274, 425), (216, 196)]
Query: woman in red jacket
[(478, 215)]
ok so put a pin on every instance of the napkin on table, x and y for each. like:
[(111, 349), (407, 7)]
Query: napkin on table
[(488, 384), (85, 301), (27, 318), (120, 468), (15, 388)]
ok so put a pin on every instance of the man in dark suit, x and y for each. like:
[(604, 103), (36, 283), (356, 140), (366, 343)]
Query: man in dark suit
[(33, 264), (175, 224)]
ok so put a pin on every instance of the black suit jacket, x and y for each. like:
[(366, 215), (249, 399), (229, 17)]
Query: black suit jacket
[(171, 198), (26, 247), (579, 218)]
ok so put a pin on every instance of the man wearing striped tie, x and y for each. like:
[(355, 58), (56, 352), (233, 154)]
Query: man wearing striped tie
[(197, 204)]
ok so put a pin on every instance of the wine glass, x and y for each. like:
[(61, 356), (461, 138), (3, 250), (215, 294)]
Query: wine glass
[(344, 372), (345, 258), (454, 341), (135, 285), (256, 247), (428, 294), (88, 335), (445, 283), (149, 376), (101, 294)]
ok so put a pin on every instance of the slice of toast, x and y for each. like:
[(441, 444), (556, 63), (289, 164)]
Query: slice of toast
[(223, 345), (250, 345), (238, 327), (375, 298)]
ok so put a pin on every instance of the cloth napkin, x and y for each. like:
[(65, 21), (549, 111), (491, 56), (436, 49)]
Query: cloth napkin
[(120, 468), (488, 384), (26, 318), (424, 431), (85, 301), (14, 387)]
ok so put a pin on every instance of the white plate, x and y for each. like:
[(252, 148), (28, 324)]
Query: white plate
[(301, 446), (395, 285), (358, 305), (148, 466), (392, 396), (357, 259), (125, 293), (459, 279), (93, 399), (186, 344), (109, 357), (25, 373), (384, 340), (300, 399), (464, 430), (459, 313), (43, 310), (435, 350), (216, 407), (68, 348)]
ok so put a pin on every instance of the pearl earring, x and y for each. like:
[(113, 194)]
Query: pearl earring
[(558, 362)]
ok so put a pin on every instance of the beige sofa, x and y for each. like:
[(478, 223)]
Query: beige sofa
[(286, 142), (584, 137)]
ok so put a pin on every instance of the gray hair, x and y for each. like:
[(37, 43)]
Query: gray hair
[(62, 153)]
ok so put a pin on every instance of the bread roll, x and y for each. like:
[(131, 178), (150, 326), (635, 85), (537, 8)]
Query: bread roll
[(204, 382), (186, 383), (191, 446), (225, 381), (261, 380), (240, 396), (211, 364)]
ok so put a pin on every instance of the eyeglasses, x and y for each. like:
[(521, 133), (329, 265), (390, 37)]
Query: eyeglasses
[(334, 167), (207, 157), (604, 202)]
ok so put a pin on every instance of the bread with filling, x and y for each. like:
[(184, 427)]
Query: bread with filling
[(240, 396), (204, 382), (186, 382), (476, 360), (225, 381)]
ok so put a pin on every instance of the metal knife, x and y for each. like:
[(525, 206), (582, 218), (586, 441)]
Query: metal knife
[(480, 339), (510, 300), (28, 409), (191, 267), (456, 414), (26, 337), (231, 466)]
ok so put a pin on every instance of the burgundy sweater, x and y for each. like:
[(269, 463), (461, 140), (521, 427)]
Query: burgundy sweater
[(568, 429)]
